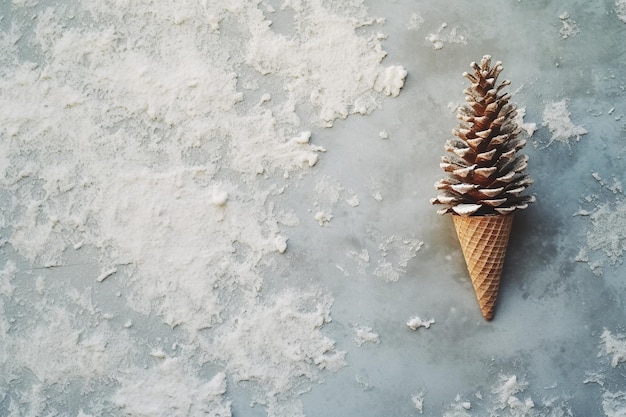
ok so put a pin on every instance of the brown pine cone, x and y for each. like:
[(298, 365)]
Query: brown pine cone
[(485, 176)]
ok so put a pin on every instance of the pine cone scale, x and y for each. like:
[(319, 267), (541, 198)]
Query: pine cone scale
[(485, 174)]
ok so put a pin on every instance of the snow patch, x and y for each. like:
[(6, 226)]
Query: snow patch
[(556, 117)]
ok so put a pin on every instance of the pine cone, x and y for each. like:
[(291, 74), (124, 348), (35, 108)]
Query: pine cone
[(485, 175)]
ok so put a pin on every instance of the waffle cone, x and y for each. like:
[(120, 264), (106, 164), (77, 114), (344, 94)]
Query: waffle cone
[(484, 240)]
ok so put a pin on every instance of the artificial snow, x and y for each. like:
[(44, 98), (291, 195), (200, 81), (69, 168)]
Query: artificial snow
[(556, 117)]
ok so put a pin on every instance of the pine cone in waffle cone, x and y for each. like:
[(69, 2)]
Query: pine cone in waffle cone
[(486, 178)]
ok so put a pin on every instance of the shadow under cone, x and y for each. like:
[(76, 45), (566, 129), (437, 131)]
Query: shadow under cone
[(484, 240)]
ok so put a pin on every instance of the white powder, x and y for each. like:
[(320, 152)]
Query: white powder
[(620, 10), (391, 80), (418, 401), (170, 389), (323, 217), (365, 334), (396, 252), (529, 128), (7, 274), (608, 230), (459, 408), (569, 28), (615, 346), (295, 353), (556, 117), (415, 21), (141, 134), (415, 323), (507, 397), (353, 199), (614, 404), (57, 349), (445, 35)]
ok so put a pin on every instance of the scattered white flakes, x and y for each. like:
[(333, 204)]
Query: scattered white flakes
[(128, 324), (300, 151), (377, 196), (322, 217), (415, 323), (366, 335), (387, 271), (362, 259), (445, 35), (390, 80), (383, 134), (556, 117), (569, 28), (219, 198), (104, 275), (459, 408), (507, 397), (40, 284), (171, 389), (614, 345), (615, 188), (345, 273), (418, 401), (158, 353), (7, 274), (594, 378), (620, 10), (279, 364), (281, 243), (582, 255), (614, 404), (397, 252), (608, 230), (529, 128), (302, 139), (415, 21), (353, 199)]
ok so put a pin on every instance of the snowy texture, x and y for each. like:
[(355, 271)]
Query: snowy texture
[(606, 235), (620, 10), (418, 401), (614, 346), (614, 404), (284, 364), (529, 128), (415, 323), (445, 35), (170, 390), (507, 395), (159, 172), (365, 334), (569, 28), (556, 117), (142, 133)]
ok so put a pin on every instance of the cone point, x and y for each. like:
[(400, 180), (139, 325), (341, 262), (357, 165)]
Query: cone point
[(484, 240)]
